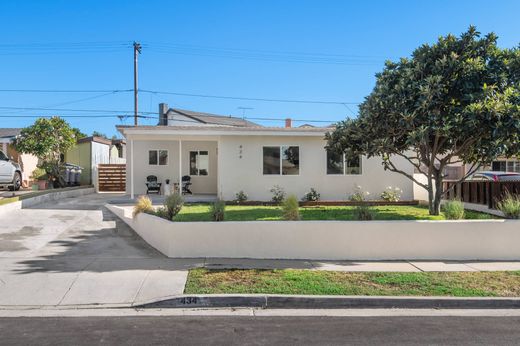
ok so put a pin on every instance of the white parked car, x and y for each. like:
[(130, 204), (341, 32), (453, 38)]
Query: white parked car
[(10, 173)]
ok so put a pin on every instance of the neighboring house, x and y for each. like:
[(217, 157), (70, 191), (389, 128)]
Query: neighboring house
[(27, 162), (89, 152), (224, 155)]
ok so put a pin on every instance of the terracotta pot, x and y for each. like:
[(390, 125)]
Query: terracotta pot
[(42, 184)]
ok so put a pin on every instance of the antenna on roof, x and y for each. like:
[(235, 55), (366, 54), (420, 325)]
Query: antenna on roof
[(244, 109)]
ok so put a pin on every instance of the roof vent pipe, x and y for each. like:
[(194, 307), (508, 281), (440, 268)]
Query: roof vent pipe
[(288, 122), (163, 114)]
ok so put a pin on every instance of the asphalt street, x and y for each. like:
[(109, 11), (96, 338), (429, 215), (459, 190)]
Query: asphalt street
[(223, 330)]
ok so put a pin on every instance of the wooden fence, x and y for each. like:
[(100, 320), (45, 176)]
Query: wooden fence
[(480, 192), (111, 177)]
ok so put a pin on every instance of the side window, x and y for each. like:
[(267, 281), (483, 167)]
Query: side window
[(158, 157), (2, 156), (199, 162), (343, 164)]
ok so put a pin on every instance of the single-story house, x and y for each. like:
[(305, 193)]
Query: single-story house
[(89, 152), (27, 162), (224, 155)]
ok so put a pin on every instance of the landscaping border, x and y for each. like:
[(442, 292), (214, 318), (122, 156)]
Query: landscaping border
[(327, 203), (30, 199), (495, 239)]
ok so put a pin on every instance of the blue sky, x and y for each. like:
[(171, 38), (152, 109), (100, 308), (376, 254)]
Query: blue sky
[(301, 50)]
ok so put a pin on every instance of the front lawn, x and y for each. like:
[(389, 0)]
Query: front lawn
[(201, 212), (289, 281)]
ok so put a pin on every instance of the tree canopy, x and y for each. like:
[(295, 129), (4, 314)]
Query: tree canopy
[(47, 139), (453, 102)]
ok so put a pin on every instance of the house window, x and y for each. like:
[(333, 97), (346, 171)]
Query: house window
[(506, 166), (158, 157), (343, 164), (284, 160), (199, 163)]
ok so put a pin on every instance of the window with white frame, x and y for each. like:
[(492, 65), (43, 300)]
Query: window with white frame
[(158, 157), (281, 160), (506, 166), (199, 162), (343, 164)]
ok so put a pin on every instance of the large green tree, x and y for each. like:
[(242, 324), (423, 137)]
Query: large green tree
[(452, 102), (48, 139)]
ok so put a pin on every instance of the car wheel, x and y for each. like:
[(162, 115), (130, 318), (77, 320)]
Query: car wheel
[(17, 182)]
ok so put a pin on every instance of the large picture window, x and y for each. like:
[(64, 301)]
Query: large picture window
[(158, 157), (284, 160), (199, 163), (343, 164)]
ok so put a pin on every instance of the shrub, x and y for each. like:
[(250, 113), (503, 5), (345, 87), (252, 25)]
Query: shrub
[(278, 194), (218, 210), (510, 206), (363, 213), (161, 212), (240, 197), (391, 194), (173, 205), (143, 205), (39, 174), (454, 210), (359, 195), (311, 196), (291, 208)]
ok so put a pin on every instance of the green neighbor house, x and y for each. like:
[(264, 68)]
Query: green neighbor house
[(91, 151)]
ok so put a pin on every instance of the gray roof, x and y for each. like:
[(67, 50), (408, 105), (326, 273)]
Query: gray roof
[(9, 132), (229, 129), (214, 119)]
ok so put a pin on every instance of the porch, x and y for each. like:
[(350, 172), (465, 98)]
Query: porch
[(169, 158), (159, 199)]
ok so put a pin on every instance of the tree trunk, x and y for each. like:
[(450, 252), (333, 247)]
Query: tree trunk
[(435, 207)]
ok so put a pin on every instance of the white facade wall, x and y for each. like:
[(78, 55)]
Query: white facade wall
[(229, 173), (246, 173)]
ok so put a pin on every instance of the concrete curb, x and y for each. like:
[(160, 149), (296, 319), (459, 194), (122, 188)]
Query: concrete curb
[(330, 302)]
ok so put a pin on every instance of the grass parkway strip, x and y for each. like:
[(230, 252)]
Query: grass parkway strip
[(308, 282)]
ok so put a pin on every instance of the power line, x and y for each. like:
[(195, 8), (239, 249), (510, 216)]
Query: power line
[(64, 91), (249, 98), (71, 110)]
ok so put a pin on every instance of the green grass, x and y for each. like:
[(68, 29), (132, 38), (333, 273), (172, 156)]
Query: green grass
[(201, 212), (289, 281)]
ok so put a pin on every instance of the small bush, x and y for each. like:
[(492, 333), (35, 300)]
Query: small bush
[(278, 194), (510, 206), (454, 210), (359, 195), (311, 196), (143, 205), (39, 174), (291, 209), (391, 194), (240, 197), (173, 205), (218, 210), (364, 213), (161, 212)]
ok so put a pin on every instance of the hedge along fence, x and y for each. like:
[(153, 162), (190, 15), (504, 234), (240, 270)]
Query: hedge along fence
[(330, 240), (481, 192)]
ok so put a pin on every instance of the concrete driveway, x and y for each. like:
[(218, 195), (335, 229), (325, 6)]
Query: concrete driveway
[(75, 252)]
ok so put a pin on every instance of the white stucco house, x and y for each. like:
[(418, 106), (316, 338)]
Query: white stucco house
[(225, 155)]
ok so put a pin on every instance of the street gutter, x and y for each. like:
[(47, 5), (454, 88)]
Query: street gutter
[(263, 301)]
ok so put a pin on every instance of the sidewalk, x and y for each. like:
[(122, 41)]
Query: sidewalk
[(363, 266)]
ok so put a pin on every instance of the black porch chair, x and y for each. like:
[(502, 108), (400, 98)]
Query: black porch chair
[(152, 185), (186, 183)]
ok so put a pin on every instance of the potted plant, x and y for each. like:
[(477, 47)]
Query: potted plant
[(39, 178)]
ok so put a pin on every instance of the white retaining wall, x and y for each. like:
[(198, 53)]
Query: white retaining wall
[(333, 240), (48, 197)]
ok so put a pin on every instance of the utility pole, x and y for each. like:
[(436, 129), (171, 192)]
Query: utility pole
[(137, 50)]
